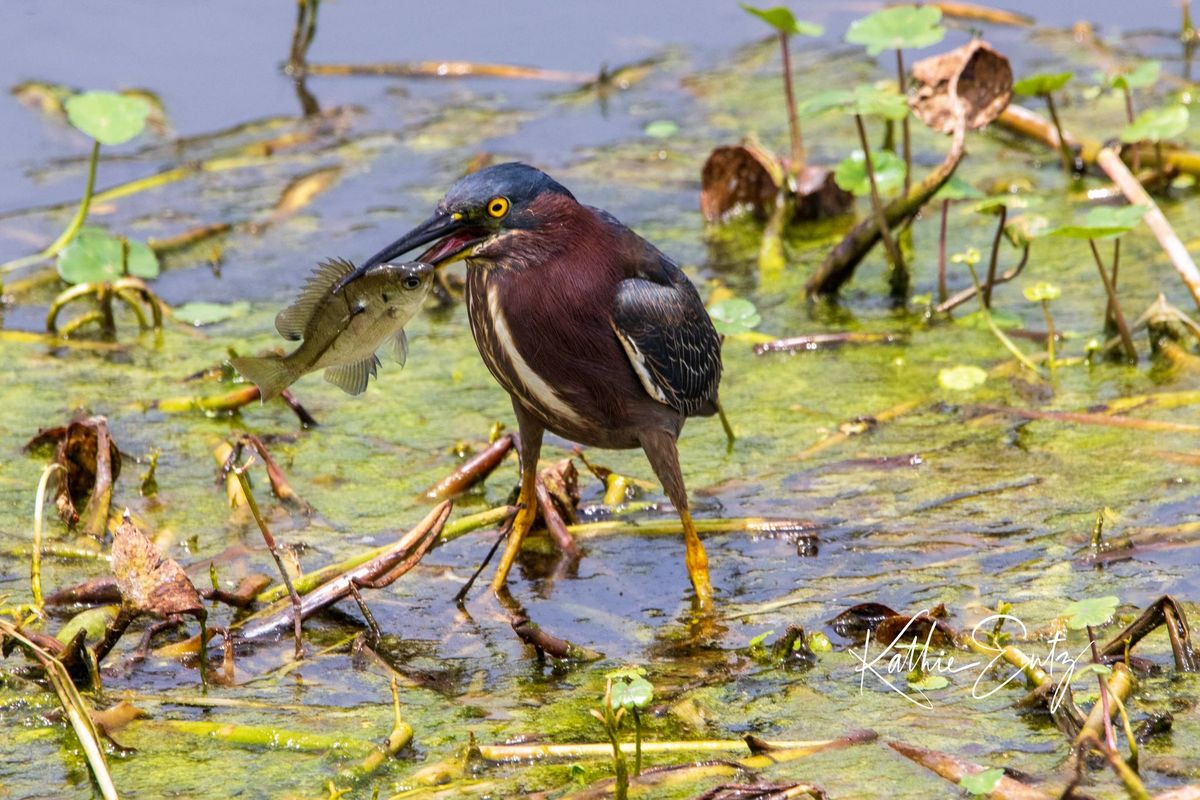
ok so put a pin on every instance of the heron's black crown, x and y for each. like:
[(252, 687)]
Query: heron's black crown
[(518, 184)]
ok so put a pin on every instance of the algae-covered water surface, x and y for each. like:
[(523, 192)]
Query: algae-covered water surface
[(925, 521)]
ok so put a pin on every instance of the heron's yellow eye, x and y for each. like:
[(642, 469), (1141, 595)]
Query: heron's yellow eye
[(497, 207)]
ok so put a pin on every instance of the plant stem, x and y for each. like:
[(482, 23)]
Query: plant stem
[(637, 742), (793, 118), (899, 276), (35, 566), (1162, 166), (1137, 151), (999, 334), (943, 293), (1049, 334), (907, 142), (991, 276), (1122, 328), (1108, 312), (1068, 158)]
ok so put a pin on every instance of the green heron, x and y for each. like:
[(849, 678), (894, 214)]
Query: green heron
[(596, 335)]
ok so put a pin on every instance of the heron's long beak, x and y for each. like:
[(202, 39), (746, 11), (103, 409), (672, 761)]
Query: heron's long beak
[(452, 234)]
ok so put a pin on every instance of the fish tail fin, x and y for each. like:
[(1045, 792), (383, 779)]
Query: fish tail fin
[(271, 374)]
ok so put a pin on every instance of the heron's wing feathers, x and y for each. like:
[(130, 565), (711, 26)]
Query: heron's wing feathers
[(668, 337)]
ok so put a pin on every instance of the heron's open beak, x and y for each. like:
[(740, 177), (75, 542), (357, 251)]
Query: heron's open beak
[(450, 232)]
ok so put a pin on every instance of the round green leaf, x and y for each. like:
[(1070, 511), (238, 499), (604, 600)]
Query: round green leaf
[(866, 99), (635, 693), (661, 129), (1102, 222), (929, 683), (962, 378), (993, 204), (1093, 611), (1042, 292), (851, 173), (982, 782), (734, 315), (94, 256), (1156, 125), (896, 28), (1042, 83), (1143, 75), (108, 117), (1022, 230), (783, 20), (201, 313), (819, 642)]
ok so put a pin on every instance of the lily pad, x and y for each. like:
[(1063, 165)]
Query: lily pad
[(201, 313), (1090, 612), (982, 782), (896, 28), (851, 173), (1156, 125), (1043, 83), (94, 255), (962, 378), (661, 129), (957, 189), (929, 683), (784, 21), (108, 117), (734, 315), (1022, 230), (1143, 75), (1103, 222)]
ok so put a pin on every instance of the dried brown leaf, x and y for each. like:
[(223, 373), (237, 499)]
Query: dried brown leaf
[(739, 176), (113, 719), (974, 74), (150, 582), (76, 450)]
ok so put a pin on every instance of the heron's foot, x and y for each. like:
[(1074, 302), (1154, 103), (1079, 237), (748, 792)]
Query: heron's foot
[(521, 524)]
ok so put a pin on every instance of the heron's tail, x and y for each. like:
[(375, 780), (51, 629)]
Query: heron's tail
[(271, 374)]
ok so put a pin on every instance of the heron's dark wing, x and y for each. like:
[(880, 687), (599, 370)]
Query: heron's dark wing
[(666, 332)]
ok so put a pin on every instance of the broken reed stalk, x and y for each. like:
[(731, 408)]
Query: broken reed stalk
[(240, 473), (793, 118), (954, 769), (400, 737), (503, 753), (449, 69), (673, 527), (35, 565), (898, 278), (1088, 418), (1110, 161), (1118, 316)]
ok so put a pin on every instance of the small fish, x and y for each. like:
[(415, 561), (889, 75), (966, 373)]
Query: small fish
[(342, 318)]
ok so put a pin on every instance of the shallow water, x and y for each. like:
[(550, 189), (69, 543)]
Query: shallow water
[(888, 526)]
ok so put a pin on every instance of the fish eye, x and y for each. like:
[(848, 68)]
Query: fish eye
[(412, 282), (497, 207)]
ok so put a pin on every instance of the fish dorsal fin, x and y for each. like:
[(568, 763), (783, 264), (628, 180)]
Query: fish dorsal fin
[(352, 378), (400, 348), (292, 321)]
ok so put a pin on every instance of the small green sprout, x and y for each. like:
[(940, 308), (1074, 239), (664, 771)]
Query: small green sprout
[(982, 783), (630, 691), (786, 25), (610, 717), (1045, 293), (819, 642), (1044, 85)]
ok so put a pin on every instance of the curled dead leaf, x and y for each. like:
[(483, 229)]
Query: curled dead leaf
[(818, 196), (974, 74), (735, 177), (87, 471), (151, 583)]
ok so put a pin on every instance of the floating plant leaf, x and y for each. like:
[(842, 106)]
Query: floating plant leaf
[(1042, 292), (757, 641), (993, 204), (1103, 670), (897, 27), (1022, 230), (1093, 611), (150, 582), (1102, 223), (1042, 83), (866, 99), (783, 20), (819, 642), (734, 315), (957, 189), (962, 378), (108, 117), (1156, 125), (94, 256), (1143, 75), (929, 683), (851, 173), (661, 129), (982, 782), (201, 313)]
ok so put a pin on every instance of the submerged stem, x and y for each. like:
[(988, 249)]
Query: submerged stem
[(907, 142), (991, 276), (899, 276), (942, 291), (991, 323), (1118, 317), (1064, 149)]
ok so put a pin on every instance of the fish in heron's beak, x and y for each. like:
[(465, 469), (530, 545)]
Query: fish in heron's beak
[(343, 315), (451, 234)]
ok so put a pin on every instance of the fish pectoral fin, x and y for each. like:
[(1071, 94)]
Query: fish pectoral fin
[(400, 348), (352, 378), (292, 321)]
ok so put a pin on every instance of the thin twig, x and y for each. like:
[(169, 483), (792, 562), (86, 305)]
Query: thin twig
[(1118, 316)]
